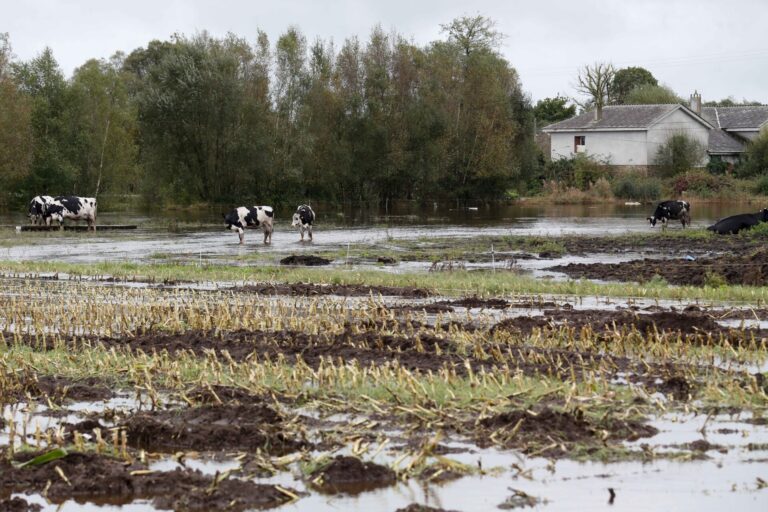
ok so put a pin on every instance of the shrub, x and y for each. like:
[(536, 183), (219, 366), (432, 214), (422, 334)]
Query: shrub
[(601, 189), (717, 166), (756, 157), (761, 186), (637, 188), (679, 154), (701, 183)]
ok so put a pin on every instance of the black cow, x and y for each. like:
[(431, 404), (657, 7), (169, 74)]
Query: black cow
[(671, 210), (244, 216), (303, 219), (736, 223)]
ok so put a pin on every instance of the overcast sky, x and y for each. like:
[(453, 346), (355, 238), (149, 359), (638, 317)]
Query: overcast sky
[(719, 47)]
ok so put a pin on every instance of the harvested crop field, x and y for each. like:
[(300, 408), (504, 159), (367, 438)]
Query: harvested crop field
[(451, 390)]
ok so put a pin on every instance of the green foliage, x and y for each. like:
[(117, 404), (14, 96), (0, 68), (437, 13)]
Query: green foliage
[(678, 154), (714, 280), (717, 165), (637, 188), (552, 110), (701, 183), (627, 79), (761, 186), (756, 157), (648, 94)]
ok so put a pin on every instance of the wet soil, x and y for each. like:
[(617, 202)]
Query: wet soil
[(18, 504), (351, 475), (106, 480), (414, 507), (308, 260), (244, 427), (343, 290), (58, 389), (692, 325), (659, 244), (553, 433), (750, 269)]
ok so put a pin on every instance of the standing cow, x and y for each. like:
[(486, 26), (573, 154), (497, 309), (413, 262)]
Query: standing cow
[(736, 223), (303, 219), (244, 216), (671, 210), (36, 208), (73, 208)]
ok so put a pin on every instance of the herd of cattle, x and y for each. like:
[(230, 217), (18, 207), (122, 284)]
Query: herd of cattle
[(44, 209), (681, 210)]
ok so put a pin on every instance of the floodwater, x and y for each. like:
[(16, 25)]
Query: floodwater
[(200, 236)]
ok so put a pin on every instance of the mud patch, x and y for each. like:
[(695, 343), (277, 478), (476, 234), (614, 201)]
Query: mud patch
[(105, 480), (308, 260), (552, 433), (415, 507), (18, 504), (748, 270), (350, 290), (244, 427), (351, 475)]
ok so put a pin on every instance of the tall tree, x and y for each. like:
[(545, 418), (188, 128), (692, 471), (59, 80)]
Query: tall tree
[(473, 33), (652, 95), (552, 110), (627, 79), (593, 81)]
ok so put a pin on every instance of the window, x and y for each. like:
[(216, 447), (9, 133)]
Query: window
[(579, 143)]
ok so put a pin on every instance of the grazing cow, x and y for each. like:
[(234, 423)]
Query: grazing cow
[(303, 219), (671, 210), (73, 208), (244, 216), (736, 223), (37, 207)]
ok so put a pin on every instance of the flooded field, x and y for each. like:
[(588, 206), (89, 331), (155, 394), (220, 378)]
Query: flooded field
[(427, 364)]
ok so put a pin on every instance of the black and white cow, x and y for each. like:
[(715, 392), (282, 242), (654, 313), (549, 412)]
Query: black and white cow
[(736, 223), (37, 208), (245, 216), (303, 219), (73, 208), (671, 210)]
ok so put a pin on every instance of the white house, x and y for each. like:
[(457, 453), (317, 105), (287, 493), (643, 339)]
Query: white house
[(630, 135)]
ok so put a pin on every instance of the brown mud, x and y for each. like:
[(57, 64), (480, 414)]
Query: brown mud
[(343, 290), (58, 389), (749, 269), (350, 475), (235, 427), (18, 504), (308, 260), (415, 507), (553, 433), (107, 480)]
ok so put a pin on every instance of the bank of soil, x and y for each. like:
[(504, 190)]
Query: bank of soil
[(351, 475), (750, 269), (107, 480), (344, 290)]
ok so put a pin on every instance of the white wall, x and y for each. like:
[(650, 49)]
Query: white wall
[(678, 122), (618, 148)]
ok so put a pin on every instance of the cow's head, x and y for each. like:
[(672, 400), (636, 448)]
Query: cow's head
[(296, 222), (652, 220)]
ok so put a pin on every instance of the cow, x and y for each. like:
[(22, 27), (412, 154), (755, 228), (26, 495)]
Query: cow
[(73, 208), (671, 210), (736, 223), (244, 216), (303, 219), (37, 207)]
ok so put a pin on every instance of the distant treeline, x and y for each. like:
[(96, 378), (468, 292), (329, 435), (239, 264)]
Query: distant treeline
[(205, 119)]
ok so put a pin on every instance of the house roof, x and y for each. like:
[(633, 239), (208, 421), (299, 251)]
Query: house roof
[(747, 118), (721, 143), (621, 117)]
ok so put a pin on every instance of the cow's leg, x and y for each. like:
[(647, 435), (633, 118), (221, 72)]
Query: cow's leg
[(309, 229), (241, 235)]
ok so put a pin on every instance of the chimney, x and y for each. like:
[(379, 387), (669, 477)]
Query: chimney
[(696, 102), (598, 112)]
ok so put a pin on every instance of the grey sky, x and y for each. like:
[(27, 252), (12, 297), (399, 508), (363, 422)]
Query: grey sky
[(719, 47)]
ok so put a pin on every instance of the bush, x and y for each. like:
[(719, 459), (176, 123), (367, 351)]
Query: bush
[(761, 186), (717, 166), (756, 157), (702, 184), (679, 154), (637, 188)]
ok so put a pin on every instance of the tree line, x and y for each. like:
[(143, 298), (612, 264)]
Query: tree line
[(207, 119)]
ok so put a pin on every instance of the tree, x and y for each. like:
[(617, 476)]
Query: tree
[(552, 110), (679, 154), (473, 33), (594, 82), (652, 95), (627, 79), (756, 156), (732, 102)]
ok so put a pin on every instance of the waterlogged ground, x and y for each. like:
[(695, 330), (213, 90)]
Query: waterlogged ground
[(342, 389), (307, 397)]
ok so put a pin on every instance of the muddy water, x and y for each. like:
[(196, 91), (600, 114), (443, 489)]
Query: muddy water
[(200, 235)]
